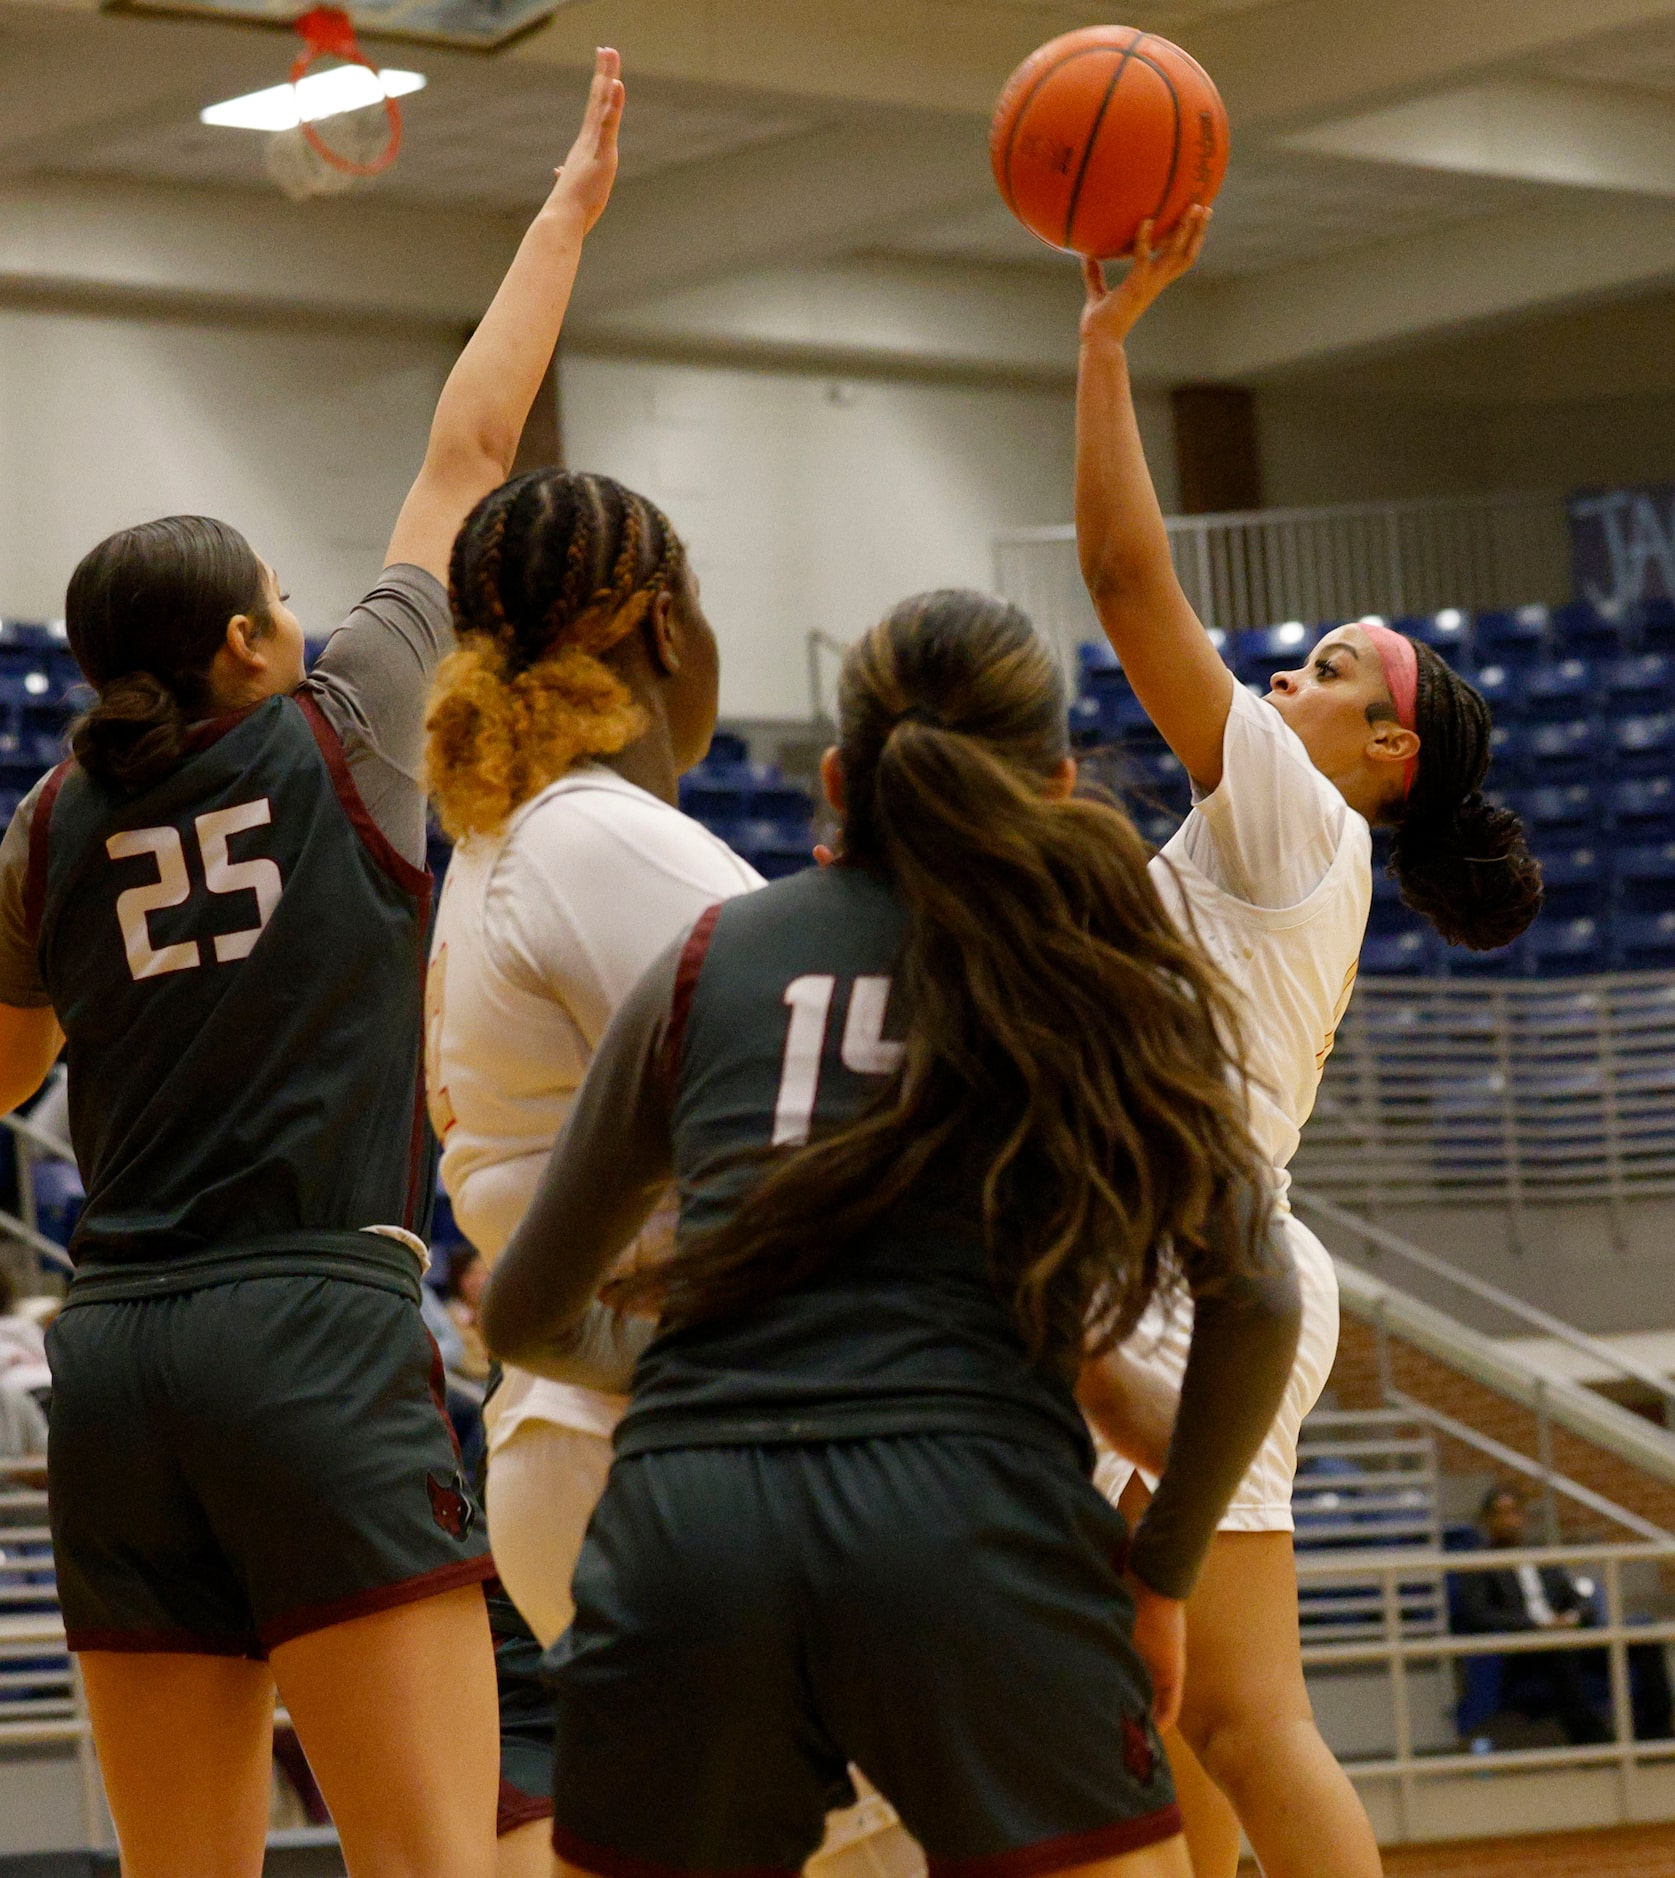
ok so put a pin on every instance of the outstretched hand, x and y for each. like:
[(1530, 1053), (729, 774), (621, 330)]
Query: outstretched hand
[(1112, 312), (590, 168)]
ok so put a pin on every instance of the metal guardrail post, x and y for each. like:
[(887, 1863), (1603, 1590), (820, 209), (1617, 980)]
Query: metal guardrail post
[(87, 1765), (1400, 1713), (1544, 1453), (1622, 1702)]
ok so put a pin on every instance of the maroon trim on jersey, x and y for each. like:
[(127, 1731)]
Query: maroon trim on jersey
[(210, 730), (415, 880), (692, 957), (612, 1864), (1069, 1849), (40, 830), (465, 1571), (411, 879), (514, 1808), (161, 1643)]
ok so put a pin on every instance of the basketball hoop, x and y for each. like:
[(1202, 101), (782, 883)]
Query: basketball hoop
[(363, 142)]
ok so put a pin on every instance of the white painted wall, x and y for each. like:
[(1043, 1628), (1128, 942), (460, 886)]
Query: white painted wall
[(303, 438), (812, 502)]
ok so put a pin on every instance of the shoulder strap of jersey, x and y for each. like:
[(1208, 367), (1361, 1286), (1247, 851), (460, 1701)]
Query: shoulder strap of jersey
[(416, 880), (40, 828), (692, 957)]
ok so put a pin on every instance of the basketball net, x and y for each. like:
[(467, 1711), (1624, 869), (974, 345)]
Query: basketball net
[(328, 157)]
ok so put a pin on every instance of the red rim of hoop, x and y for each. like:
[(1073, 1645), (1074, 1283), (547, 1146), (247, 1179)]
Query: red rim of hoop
[(328, 31)]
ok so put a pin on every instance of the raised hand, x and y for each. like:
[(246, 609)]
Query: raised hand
[(1111, 313), (590, 169)]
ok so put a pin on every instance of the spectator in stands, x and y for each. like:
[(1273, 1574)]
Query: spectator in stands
[(1530, 1597), (23, 1428), (468, 1278), (22, 1340)]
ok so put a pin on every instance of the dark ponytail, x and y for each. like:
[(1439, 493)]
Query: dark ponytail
[(1461, 862), (146, 612), (1069, 1055)]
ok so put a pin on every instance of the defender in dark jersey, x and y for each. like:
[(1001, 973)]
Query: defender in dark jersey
[(221, 904), (942, 1118)]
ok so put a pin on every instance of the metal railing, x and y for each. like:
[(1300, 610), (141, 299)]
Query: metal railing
[(1514, 1092), (1267, 565), (33, 1143), (1398, 1650)]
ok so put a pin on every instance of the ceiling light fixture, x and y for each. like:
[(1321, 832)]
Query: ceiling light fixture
[(320, 95)]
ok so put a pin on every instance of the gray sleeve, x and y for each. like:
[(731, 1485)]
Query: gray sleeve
[(608, 1168), (372, 682), (20, 969), (1244, 1340)]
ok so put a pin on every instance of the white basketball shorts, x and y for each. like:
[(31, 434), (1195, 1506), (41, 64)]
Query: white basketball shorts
[(1262, 1502)]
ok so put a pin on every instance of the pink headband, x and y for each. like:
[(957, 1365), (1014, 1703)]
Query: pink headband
[(1401, 674)]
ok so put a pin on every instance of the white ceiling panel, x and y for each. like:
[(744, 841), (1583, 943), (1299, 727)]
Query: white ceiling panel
[(1274, 209)]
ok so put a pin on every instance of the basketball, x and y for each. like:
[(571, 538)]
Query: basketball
[(1102, 129)]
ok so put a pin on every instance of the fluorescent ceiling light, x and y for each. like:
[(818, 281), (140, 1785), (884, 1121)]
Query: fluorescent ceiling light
[(318, 95)]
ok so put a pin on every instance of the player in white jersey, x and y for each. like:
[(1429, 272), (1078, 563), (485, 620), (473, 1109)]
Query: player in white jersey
[(584, 686), (1273, 869)]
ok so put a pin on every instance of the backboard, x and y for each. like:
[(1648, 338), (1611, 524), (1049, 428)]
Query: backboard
[(483, 24)]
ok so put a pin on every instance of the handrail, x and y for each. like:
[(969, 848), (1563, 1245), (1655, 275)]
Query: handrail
[(1531, 1314), (1509, 1373)]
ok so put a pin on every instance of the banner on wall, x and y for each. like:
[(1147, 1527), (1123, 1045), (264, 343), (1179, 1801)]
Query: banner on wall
[(1622, 544)]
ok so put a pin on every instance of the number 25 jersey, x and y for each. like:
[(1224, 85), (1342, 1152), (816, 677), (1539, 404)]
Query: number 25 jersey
[(236, 955)]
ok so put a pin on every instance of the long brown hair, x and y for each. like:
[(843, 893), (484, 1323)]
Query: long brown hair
[(549, 571), (1068, 1050)]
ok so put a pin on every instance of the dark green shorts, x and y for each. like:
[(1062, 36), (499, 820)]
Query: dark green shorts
[(526, 1718), (243, 1463), (944, 1611)]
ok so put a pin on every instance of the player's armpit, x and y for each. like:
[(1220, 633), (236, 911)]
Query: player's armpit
[(29, 1044)]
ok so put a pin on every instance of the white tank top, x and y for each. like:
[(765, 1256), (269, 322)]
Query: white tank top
[(1274, 870), (542, 930)]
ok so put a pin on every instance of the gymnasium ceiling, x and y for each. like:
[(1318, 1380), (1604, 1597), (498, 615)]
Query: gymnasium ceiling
[(1426, 166)]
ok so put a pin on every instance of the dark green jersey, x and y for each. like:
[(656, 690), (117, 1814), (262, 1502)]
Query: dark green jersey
[(236, 956), (782, 1026)]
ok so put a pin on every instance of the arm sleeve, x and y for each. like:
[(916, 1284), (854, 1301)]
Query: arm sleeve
[(1269, 831), (608, 1169), (1244, 1339), (372, 682), (20, 970)]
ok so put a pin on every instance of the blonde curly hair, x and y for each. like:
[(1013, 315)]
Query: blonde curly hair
[(548, 573)]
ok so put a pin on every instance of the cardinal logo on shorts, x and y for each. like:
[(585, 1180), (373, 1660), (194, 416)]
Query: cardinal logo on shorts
[(1137, 1753), (449, 1508)]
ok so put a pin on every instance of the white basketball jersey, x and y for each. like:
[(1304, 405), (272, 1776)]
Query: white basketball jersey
[(541, 931)]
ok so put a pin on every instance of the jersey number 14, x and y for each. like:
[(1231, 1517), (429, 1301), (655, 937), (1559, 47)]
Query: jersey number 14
[(173, 887), (865, 1050)]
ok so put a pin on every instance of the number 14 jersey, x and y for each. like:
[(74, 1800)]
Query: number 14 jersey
[(236, 955)]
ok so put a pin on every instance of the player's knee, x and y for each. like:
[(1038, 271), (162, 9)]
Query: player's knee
[(1246, 1746)]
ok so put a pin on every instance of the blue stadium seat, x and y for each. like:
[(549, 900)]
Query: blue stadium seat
[(1642, 686), (1096, 655), (1644, 746), (38, 635), (1565, 689), (1574, 879), (1645, 876), (727, 751), (1084, 722), (1643, 808), (1447, 633), (719, 806), (1515, 638), (1503, 962), (1258, 655), (1502, 688), (777, 862), (1567, 947), (1656, 620), (1156, 825), (1563, 752), (790, 810), (1644, 942), (1409, 954), (1559, 811), (1508, 753), (1583, 630)]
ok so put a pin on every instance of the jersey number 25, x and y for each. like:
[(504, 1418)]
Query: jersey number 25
[(173, 887)]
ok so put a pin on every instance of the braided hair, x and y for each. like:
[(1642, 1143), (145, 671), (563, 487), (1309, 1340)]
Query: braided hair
[(549, 572), (1461, 862)]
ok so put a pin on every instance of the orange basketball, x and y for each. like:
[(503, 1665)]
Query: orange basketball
[(1103, 128)]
